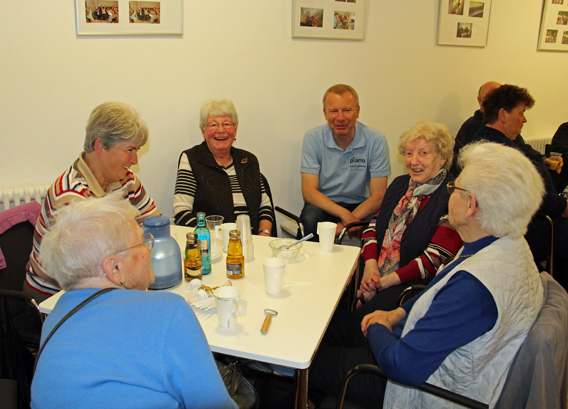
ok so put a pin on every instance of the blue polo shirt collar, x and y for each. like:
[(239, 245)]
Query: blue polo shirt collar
[(357, 142)]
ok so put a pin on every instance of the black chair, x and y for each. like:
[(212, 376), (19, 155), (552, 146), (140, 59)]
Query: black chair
[(538, 376), (301, 232), (20, 330), (16, 244)]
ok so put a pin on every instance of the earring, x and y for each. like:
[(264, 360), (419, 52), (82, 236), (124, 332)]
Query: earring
[(122, 282)]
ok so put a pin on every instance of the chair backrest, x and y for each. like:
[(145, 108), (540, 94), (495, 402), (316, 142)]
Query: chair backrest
[(20, 330), (16, 239), (538, 376)]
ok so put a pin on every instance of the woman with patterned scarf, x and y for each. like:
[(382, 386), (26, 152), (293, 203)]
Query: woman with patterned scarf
[(411, 226)]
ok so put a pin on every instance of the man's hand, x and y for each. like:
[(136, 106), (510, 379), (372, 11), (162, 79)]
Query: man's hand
[(558, 168)]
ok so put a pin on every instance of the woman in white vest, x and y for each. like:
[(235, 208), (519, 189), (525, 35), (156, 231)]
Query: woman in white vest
[(464, 330)]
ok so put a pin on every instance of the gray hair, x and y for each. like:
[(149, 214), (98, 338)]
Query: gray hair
[(341, 89), (432, 132), (506, 185), (112, 123), (218, 107), (83, 234)]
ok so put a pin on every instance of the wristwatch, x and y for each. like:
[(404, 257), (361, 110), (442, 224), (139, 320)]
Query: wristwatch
[(265, 231)]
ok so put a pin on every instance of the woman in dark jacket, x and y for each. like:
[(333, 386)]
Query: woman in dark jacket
[(218, 179), (410, 238)]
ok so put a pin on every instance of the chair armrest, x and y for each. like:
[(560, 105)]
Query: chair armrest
[(293, 217), (346, 228), (410, 292), (426, 387)]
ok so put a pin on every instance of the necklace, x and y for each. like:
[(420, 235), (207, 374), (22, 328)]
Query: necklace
[(220, 163), (466, 256)]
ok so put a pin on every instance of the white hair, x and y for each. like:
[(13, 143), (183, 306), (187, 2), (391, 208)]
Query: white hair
[(506, 185), (82, 234), (217, 107)]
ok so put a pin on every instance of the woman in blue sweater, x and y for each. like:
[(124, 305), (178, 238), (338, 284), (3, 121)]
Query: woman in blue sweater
[(123, 349)]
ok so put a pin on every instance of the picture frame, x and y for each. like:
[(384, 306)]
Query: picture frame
[(126, 17), (554, 26), (464, 22), (332, 19)]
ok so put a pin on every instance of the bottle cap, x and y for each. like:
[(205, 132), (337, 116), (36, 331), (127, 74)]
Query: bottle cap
[(234, 234)]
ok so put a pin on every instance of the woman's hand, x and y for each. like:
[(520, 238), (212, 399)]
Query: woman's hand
[(371, 280), (367, 296), (387, 318)]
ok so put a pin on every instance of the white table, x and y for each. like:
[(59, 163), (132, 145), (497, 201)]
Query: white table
[(304, 311)]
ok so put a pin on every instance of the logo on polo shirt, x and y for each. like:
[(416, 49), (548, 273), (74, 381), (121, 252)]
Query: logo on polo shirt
[(357, 163)]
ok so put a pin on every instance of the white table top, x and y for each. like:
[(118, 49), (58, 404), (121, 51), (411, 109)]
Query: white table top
[(304, 311)]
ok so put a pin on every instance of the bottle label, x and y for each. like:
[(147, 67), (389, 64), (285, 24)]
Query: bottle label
[(234, 269), (193, 272), (204, 247)]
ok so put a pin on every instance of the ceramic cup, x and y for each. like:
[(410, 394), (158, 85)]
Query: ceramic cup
[(274, 270), (227, 301), (326, 232)]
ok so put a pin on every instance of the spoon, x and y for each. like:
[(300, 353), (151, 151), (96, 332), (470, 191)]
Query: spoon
[(287, 246)]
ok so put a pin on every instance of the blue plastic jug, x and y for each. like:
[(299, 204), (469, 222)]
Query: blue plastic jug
[(165, 259)]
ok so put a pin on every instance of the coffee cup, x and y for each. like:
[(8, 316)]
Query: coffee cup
[(274, 270), (326, 232), (227, 301)]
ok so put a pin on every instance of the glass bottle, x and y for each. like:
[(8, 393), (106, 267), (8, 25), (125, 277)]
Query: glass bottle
[(204, 238), (235, 258), (192, 262)]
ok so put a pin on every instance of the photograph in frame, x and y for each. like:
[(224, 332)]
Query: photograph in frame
[(333, 19), (464, 22), (554, 26), (126, 17)]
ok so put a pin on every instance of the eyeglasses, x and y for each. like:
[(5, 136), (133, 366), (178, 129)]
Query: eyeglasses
[(225, 125), (148, 241), (452, 188)]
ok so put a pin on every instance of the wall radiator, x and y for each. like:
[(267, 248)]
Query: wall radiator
[(539, 143), (19, 195)]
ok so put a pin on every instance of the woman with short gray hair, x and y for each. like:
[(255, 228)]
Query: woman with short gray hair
[(121, 348), (218, 179), (409, 238), (114, 134)]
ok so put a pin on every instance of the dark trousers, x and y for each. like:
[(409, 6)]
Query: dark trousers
[(343, 347), (312, 215)]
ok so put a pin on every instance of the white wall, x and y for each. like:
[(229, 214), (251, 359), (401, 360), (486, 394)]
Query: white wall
[(52, 79)]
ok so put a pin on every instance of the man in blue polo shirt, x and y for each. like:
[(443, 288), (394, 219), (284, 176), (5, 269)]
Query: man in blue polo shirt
[(345, 165)]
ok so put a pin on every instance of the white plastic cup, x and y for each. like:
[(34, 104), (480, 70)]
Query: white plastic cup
[(326, 232), (243, 225), (274, 270), (222, 233), (227, 301)]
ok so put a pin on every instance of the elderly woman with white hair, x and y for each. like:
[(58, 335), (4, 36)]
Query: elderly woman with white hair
[(114, 134), (410, 237), (219, 179), (464, 330), (124, 347)]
